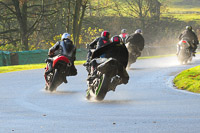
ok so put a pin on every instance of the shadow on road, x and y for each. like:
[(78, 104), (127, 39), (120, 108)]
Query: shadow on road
[(62, 92), (115, 102), (131, 69)]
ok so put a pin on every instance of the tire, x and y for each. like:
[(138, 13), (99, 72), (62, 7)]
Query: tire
[(181, 57), (88, 96), (190, 59), (128, 66), (101, 90), (46, 87), (183, 62), (184, 57), (132, 59), (56, 81)]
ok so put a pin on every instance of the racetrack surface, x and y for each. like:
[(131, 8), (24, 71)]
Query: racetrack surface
[(147, 104)]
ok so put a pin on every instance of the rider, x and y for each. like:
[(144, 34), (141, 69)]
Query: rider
[(117, 50), (137, 39), (191, 37), (97, 43), (64, 47), (124, 35)]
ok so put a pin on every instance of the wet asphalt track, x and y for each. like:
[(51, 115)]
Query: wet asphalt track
[(147, 104)]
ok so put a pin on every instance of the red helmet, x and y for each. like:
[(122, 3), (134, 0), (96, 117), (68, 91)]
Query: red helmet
[(116, 39), (105, 34)]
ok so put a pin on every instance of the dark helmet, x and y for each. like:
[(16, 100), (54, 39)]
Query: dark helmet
[(105, 34), (123, 31), (188, 27), (116, 39)]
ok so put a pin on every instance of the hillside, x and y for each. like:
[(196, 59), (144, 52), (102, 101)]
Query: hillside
[(185, 10), (182, 3), (186, 3)]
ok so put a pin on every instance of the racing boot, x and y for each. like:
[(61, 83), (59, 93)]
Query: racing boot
[(65, 79), (116, 81), (86, 64), (73, 71)]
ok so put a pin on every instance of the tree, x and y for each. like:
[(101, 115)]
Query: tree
[(79, 12), (144, 10), (18, 11), (68, 18)]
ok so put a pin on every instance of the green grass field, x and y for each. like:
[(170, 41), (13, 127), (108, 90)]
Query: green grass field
[(183, 3), (183, 10), (188, 80), (183, 14)]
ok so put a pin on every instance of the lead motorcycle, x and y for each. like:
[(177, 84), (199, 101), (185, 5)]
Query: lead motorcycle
[(184, 55), (61, 68), (104, 72)]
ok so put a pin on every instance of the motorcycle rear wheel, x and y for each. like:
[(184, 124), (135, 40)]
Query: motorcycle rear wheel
[(56, 81), (101, 90), (132, 59)]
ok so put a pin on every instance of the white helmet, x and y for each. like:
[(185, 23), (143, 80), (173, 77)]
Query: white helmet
[(138, 31), (123, 31), (65, 36)]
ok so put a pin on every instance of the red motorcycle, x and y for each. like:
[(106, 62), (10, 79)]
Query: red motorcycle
[(60, 69)]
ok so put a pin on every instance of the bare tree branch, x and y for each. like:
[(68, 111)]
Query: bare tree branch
[(9, 31), (8, 7)]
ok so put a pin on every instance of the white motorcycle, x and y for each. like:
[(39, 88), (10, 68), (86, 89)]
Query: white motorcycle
[(185, 54)]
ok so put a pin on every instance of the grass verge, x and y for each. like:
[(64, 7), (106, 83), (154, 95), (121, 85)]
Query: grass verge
[(5, 69), (158, 56), (188, 80)]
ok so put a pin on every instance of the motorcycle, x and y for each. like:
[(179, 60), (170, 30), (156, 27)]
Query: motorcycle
[(134, 53), (104, 72), (60, 69), (185, 54)]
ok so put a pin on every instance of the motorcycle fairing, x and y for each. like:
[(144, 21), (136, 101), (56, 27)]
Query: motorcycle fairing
[(60, 58)]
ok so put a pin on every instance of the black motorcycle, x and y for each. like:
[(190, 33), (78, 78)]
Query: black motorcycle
[(61, 68), (103, 72), (185, 54), (134, 53)]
